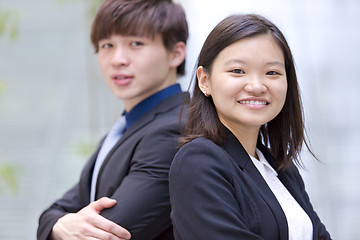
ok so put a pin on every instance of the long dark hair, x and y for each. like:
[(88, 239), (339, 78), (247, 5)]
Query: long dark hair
[(284, 135)]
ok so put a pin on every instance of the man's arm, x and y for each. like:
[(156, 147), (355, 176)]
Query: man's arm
[(87, 223), (143, 202), (65, 218), (69, 203), (143, 205), (72, 207)]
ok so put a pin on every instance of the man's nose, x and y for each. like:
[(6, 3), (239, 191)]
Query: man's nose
[(119, 57)]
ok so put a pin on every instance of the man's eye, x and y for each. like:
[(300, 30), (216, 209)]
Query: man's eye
[(272, 73), (136, 44), (237, 71), (106, 45)]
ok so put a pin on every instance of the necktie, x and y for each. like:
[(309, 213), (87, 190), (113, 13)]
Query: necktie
[(111, 139)]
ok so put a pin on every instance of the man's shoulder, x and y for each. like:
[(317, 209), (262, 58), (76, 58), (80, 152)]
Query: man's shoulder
[(171, 110), (173, 102), (164, 120)]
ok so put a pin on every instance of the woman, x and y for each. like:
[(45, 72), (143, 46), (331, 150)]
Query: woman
[(235, 176)]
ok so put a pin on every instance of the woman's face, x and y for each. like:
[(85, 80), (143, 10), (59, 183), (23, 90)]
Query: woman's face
[(247, 82)]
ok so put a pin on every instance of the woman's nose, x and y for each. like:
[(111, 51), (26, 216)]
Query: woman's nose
[(255, 85)]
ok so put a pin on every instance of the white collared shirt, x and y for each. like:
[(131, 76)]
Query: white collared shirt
[(299, 224)]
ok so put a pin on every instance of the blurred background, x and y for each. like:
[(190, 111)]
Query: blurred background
[(55, 106)]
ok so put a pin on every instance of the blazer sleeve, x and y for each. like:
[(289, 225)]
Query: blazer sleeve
[(143, 202), (71, 202), (203, 198)]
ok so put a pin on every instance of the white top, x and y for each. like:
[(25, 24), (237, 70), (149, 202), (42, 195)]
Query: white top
[(299, 224)]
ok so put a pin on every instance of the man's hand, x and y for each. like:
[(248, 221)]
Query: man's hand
[(89, 224)]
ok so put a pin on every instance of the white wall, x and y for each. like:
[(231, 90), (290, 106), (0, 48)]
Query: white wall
[(55, 100)]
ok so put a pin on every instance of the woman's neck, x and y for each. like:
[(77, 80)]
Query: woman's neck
[(247, 136)]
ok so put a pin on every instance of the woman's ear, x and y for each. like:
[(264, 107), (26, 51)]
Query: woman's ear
[(178, 54), (203, 81)]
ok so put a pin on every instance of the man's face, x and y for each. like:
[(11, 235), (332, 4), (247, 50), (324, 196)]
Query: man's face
[(136, 67)]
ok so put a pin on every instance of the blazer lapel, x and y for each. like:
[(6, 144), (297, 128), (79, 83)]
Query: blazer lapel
[(165, 106), (234, 148), (287, 178), (293, 187), (86, 176)]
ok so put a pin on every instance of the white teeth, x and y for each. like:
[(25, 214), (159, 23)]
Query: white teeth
[(252, 102)]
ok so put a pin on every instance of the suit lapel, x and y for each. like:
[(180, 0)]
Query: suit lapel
[(165, 106), (234, 148), (293, 187), (287, 178), (86, 176)]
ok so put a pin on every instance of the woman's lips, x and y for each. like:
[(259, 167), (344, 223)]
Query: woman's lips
[(254, 103)]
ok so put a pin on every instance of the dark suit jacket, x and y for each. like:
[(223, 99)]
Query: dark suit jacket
[(218, 193), (135, 173)]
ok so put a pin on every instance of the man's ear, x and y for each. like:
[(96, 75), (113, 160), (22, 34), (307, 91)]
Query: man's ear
[(178, 54), (203, 81)]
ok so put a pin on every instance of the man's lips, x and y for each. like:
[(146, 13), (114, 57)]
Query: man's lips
[(122, 80)]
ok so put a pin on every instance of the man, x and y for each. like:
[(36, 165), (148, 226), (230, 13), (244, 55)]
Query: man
[(123, 189)]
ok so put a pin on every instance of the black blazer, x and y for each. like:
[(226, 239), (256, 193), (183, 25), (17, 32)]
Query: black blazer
[(135, 173), (218, 193)]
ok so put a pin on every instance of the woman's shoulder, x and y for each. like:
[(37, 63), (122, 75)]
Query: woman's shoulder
[(201, 144), (201, 153)]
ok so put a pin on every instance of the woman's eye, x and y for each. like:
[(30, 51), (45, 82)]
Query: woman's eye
[(272, 73), (237, 71)]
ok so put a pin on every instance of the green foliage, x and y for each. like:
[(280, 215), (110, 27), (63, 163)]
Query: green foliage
[(84, 149), (2, 87), (9, 176), (9, 26), (92, 4), (9, 23)]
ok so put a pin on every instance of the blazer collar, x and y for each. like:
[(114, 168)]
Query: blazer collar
[(149, 103), (287, 178), (164, 106), (237, 152), (293, 185)]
